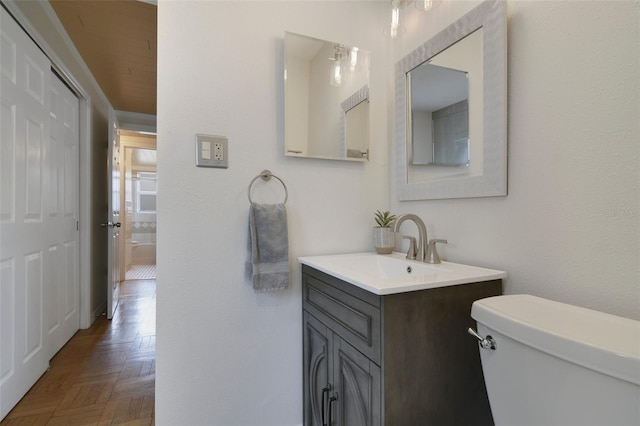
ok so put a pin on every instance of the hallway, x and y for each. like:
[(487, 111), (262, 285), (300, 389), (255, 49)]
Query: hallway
[(104, 375)]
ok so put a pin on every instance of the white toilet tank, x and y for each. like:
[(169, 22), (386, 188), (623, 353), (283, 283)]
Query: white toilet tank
[(558, 364)]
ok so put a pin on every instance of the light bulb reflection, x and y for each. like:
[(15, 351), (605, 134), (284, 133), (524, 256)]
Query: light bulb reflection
[(395, 20), (395, 29), (427, 5), (353, 58), (336, 74)]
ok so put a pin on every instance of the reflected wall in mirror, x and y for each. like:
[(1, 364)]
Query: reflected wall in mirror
[(326, 99), (451, 110), (439, 120)]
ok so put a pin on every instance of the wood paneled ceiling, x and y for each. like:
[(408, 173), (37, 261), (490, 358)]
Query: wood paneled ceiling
[(118, 41)]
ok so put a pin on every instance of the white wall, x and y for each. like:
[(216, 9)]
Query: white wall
[(226, 355), (569, 228)]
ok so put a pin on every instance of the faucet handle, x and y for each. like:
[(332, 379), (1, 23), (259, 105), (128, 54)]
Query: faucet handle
[(413, 247), (432, 253)]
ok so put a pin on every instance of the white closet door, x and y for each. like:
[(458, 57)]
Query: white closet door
[(24, 94), (62, 296), (39, 186)]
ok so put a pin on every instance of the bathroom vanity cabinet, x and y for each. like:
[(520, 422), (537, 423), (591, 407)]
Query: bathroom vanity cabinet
[(397, 359)]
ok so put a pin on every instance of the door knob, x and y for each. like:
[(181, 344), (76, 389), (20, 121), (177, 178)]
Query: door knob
[(110, 225)]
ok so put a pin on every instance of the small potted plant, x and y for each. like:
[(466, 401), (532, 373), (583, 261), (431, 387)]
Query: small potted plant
[(383, 235)]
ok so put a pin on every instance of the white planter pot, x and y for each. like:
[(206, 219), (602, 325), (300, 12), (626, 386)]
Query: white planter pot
[(383, 240)]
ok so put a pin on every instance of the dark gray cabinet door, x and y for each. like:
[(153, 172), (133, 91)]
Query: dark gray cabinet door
[(357, 387), (317, 364)]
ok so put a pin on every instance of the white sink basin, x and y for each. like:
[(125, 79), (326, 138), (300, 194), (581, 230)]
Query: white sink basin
[(392, 273), (387, 267)]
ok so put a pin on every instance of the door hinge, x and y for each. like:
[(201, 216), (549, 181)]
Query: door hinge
[(77, 225)]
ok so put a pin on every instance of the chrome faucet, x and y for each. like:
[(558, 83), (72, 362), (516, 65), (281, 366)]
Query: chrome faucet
[(422, 236)]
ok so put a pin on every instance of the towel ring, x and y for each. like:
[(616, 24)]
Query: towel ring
[(266, 175)]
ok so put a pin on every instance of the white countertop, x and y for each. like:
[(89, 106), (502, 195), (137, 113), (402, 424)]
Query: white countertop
[(389, 274)]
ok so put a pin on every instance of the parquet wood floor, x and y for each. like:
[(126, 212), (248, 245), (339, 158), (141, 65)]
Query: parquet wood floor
[(104, 375)]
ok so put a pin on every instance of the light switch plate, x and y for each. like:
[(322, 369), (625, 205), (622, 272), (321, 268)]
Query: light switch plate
[(212, 151)]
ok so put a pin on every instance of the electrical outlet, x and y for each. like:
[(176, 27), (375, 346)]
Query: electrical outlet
[(212, 151), (218, 151)]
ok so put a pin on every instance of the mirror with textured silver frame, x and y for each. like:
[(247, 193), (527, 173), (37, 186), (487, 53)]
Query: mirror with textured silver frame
[(476, 44), (326, 113)]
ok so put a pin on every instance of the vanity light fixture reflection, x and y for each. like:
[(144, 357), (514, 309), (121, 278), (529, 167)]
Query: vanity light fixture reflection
[(336, 71), (353, 59), (395, 28), (427, 5)]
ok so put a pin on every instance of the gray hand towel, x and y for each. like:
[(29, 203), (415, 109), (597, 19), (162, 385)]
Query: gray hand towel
[(269, 244)]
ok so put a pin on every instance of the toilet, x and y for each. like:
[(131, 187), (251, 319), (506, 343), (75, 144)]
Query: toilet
[(558, 364)]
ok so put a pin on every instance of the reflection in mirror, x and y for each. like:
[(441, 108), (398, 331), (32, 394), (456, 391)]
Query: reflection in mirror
[(468, 130), (326, 99), (439, 119), (465, 55), (355, 125)]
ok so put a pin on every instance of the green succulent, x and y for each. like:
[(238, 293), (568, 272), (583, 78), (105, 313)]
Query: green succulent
[(384, 219)]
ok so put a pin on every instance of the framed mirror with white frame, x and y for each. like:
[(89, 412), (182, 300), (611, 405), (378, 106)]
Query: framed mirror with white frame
[(451, 110)]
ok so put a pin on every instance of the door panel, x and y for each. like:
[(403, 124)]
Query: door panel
[(25, 123), (357, 382), (62, 187), (31, 305), (317, 359), (113, 218)]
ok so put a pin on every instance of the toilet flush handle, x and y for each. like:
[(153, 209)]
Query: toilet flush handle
[(486, 342)]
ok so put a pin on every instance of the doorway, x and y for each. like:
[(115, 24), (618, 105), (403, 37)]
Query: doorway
[(138, 200)]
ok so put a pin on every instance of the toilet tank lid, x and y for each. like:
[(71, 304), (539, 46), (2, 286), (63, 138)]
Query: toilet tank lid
[(602, 342)]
